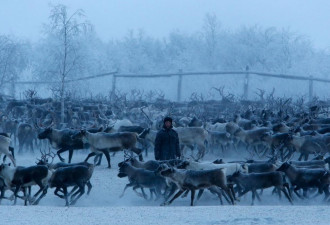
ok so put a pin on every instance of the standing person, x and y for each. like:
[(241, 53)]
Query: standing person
[(167, 142)]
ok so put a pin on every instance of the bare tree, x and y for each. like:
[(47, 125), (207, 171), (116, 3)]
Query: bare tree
[(64, 57), (211, 34), (13, 59)]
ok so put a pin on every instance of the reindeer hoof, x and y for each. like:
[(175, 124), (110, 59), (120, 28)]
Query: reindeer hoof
[(35, 203), (164, 204)]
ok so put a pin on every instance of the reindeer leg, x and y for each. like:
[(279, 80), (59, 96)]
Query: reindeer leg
[(17, 188), (185, 194), (295, 190), (25, 196), (175, 197), (286, 194), (253, 196), (65, 191), (72, 193), (286, 185), (56, 192), (127, 185), (192, 197), (70, 154), (59, 152), (171, 192), (215, 191), (223, 193), (2, 196), (82, 191), (143, 195), (44, 192), (89, 186), (228, 192), (258, 197), (98, 159), (75, 193), (107, 156), (89, 155), (200, 193), (152, 191), (231, 189)]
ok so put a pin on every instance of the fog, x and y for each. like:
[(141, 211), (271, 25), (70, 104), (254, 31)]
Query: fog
[(157, 37)]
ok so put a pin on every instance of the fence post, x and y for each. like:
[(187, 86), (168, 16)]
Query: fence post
[(179, 86), (246, 83), (310, 93), (13, 89), (114, 80)]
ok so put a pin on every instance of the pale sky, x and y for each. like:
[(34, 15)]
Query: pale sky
[(113, 19)]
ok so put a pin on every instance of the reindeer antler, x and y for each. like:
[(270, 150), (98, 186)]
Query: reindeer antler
[(45, 156), (146, 115), (126, 155)]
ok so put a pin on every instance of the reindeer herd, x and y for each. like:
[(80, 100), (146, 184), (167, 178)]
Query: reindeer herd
[(229, 148)]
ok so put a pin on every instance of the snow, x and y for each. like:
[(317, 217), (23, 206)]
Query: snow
[(103, 206), (165, 215)]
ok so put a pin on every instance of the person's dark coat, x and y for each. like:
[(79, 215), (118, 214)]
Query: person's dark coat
[(167, 145)]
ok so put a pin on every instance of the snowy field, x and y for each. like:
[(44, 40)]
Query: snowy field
[(103, 205)]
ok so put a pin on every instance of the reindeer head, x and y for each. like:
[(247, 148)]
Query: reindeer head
[(167, 172), (122, 163), (45, 133), (183, 165), (284, 167), (122, 169), (80, 135), (4, 166), (233, 178)]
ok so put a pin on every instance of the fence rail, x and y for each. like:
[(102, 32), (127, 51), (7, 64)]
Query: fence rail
[(247, 76)]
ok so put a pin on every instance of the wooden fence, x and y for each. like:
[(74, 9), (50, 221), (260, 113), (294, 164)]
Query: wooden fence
[(247, 74)]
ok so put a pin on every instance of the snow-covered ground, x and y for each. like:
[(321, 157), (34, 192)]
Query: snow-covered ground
[(103, 206)]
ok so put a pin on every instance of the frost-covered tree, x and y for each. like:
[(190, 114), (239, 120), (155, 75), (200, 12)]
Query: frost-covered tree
[(60, 56), (211, 34), (13, 59)]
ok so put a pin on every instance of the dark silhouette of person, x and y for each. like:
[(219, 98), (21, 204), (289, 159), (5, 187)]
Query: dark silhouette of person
[(167, 142)]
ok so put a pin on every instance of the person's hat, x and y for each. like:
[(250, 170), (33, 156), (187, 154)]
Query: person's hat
[(167, 119)]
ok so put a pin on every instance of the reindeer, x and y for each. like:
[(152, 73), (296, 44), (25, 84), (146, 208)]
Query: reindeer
[(141, 178), (301, 178), (45, 161), (193, 180), (25, 135), (252, 182), (20, 177), (191, 136), (105, 142), (65, 177), (5, 148), (61, 140)]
